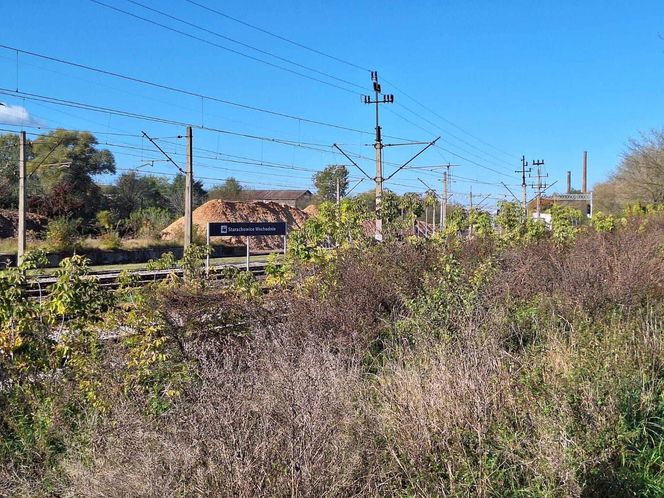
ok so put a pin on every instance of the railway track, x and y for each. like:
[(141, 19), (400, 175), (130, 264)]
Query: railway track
[(38, 286)]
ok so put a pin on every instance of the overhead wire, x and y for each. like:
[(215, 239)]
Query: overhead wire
[(279, 37), (510, 155), (183, 91), (288, 40), (246, 45), (447, 133), (222, 47)]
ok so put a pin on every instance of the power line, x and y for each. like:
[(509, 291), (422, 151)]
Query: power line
[(474, 162), (133, 115), (182, 91), (451, 123), (453, 135), (282, 38), (246, 45), (449, 151), (222, 47)]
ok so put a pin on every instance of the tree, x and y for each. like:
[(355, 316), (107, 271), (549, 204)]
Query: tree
[(638, 178), (176, 195), (326, 182), (9, 144), (230, 190), (412, 204), (132, 192), (64, 162)]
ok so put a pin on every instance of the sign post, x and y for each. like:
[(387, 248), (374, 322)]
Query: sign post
[(248, 238), (207, 258), (285, 241)]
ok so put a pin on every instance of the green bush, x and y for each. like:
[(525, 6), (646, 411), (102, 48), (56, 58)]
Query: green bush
[(110, 240), (63, 234), (148, 222)]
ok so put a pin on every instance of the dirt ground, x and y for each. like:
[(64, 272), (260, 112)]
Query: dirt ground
[(236, 212)]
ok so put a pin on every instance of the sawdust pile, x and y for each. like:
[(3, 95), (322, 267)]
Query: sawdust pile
[(9, 223), (311, 210), (218, 210)]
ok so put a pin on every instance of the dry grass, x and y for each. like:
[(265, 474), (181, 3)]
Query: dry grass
[(396, 372)]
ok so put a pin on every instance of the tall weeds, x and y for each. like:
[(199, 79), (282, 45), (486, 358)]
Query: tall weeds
[(449, 369)]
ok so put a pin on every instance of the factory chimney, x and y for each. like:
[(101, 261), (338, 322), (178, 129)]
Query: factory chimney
[(584, 181)]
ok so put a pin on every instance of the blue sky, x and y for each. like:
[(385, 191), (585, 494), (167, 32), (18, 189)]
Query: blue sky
[(495, 79)]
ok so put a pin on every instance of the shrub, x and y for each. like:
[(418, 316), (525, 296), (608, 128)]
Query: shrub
[(63, 234), (106, 220), (148, 222), (110, 240)]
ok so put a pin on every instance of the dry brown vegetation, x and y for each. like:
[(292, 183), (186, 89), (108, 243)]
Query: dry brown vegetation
[(437, 369)]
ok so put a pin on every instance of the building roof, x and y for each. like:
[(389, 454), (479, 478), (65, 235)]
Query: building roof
[(273, 195)]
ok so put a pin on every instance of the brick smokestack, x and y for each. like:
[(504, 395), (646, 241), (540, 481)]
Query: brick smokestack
[(584, 181), (569, 182)]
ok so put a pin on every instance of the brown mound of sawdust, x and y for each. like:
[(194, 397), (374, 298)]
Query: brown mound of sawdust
[(311, 210), (9, 223), (218, 210)]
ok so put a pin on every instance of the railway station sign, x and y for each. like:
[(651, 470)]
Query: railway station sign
[(246, 229), (573, 197)]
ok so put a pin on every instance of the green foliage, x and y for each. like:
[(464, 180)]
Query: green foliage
[(153, 370), (535, 230), (564, 223), (166, 261), (412, 205), (192, 263), (456, 222), (62, 234), (176, 194), (604, 222), (62, 165), (230, 190), (390, 207), (510, 219), (132, 192), (480, 222), (408, 368), (106, 220), (278, 272), (326, 182), (9, 145), (148, 222), (110, 241)]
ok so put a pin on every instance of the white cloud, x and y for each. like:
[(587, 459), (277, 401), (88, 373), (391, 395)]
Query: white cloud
[(16, 115)]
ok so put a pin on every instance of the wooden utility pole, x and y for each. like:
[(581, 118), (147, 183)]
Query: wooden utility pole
[(188, 197), (22, 194)]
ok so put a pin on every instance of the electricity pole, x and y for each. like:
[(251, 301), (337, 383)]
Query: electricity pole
[(443, 203), (524, 193), (539, 186), (188, 181), (21, 198), (188, 198), (378, 145)]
